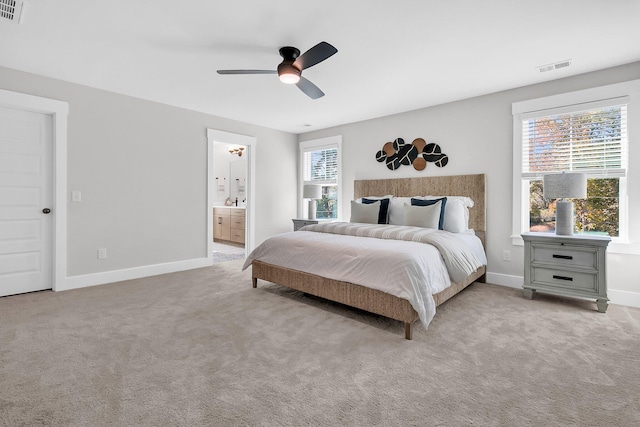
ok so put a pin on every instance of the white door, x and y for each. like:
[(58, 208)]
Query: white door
[(26, 149)]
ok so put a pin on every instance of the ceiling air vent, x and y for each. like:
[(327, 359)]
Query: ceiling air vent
[(556, 66), (11, 10)]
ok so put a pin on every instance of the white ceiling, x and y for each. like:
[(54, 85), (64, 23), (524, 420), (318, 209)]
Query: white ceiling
[(393, 56)]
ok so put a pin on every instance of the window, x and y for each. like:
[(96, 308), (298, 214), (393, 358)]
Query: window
[(585, 131), (593, 141), (320, 165)]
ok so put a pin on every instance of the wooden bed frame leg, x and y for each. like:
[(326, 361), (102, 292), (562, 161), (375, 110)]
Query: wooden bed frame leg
[(254, 282), (407, 330)]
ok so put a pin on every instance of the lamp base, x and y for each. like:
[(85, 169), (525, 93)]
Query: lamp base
[(312, 209), (564, 218)]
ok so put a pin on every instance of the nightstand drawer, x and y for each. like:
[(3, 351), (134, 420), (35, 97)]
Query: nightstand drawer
[(565, 255), (564, 278)]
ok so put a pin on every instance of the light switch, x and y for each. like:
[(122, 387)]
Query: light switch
[(76, 196)]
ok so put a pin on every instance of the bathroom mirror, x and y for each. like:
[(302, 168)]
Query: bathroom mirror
[(238, 180)]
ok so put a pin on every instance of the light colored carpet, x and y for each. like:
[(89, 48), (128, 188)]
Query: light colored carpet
[(203, 348), (223, 252)]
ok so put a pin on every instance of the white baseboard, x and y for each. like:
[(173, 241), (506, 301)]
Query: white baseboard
[(86, 280), (505, 280), (629, 299)]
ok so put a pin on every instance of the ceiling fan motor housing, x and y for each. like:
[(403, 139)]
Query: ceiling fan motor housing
[(287, 72), (289, 53)]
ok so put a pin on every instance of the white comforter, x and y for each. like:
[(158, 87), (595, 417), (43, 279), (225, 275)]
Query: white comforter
[(408, 269)]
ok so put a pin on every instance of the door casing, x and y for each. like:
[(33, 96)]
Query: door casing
[(59, 111), (214, 135)]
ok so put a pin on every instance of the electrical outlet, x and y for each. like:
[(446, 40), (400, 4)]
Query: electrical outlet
[(506, 255), (102, 253)]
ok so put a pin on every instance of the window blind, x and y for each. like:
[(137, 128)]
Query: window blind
[(320, 166), (593, 141)]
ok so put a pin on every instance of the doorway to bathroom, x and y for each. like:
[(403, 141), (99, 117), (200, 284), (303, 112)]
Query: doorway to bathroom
[(231, 162)]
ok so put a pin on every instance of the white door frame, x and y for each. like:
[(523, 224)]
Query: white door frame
[(214, 135), (59, 111)]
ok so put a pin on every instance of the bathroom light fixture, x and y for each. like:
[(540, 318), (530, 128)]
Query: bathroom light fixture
[(236, 150)]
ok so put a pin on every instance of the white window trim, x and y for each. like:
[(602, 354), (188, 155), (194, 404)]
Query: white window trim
[(318, 144), (629, 92)]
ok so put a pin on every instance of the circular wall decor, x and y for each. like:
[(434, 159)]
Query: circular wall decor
[(419, 164), (418, 153)]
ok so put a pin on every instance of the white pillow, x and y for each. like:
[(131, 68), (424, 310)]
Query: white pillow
[(396, 210), (422, 216), (456, 212), (367, 214), (389, 196)]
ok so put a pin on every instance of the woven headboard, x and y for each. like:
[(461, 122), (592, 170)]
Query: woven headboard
[(472, 186)]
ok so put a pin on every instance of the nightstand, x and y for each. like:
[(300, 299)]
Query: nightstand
[(572, 266), (299, 223)]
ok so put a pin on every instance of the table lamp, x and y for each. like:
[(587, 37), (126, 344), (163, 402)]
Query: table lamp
[(312, 192), (565, 186)]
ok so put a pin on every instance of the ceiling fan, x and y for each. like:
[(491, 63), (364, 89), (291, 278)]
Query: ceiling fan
[(290, 69)]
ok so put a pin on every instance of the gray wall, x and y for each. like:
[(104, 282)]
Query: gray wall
[(477, 135), (142, 170), (141, 167)]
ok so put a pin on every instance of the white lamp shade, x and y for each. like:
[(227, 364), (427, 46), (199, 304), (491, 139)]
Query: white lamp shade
[(565, 185), (310, 191)]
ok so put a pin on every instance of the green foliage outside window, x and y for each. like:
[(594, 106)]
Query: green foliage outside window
[(327, 206)]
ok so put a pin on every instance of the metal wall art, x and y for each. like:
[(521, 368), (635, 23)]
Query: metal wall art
[(418, 153)]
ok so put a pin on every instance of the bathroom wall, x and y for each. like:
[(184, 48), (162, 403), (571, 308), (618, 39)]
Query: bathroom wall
[(226, 169)]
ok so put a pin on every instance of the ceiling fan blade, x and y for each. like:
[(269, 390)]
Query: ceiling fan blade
[(316, 54), (311, 90), (247, 71)]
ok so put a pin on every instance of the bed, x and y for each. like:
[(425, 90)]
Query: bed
[(365, 296)]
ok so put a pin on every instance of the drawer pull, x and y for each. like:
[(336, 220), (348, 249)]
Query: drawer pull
[(562, 256), (570, 279)]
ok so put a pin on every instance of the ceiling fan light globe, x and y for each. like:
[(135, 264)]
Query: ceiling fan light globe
[(288, 74), (289, 79)]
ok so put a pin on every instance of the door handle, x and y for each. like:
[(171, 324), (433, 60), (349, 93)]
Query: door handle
[(46, 210)]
